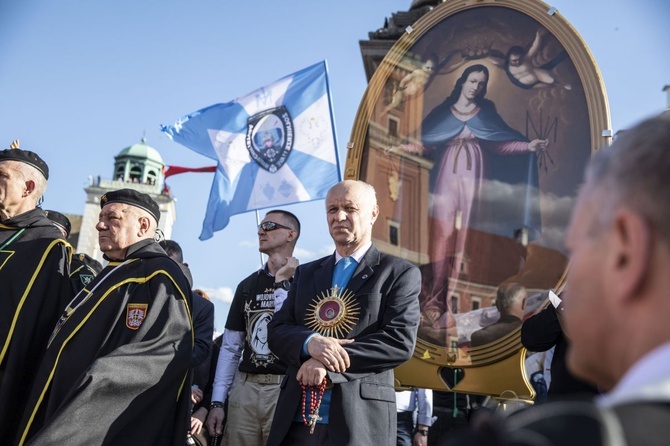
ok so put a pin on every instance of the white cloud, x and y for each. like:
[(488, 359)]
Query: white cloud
[(248, 244), (305, 255), (326, 250), (222, 294)]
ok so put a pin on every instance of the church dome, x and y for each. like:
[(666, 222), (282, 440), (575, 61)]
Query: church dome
[(139, 163), (142, 150)]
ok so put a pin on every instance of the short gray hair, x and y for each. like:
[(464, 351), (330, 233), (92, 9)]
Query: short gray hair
[(509, 295), (29, 172), (634, 172)]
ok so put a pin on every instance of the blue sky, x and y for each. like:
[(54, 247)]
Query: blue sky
[(81, 80)]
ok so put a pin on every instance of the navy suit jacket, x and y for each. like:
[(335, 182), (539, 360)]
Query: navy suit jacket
[(203, 328), (362, 408)]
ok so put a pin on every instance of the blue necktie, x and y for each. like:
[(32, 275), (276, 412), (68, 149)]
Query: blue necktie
[(343, 271)]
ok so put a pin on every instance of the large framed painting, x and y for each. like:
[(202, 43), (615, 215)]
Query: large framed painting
[(475, 130)]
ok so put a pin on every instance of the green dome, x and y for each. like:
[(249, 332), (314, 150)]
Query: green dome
[(142, 150)]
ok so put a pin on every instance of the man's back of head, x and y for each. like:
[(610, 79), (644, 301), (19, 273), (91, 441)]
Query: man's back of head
[(173, 250), (619, 239), (510, 299)]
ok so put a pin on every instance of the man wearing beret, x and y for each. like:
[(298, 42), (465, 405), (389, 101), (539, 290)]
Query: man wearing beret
[(34, 283), (116, 368), (83, 268)]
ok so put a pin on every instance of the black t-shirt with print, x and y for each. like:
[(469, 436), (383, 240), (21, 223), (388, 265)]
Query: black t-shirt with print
[(250, 312)]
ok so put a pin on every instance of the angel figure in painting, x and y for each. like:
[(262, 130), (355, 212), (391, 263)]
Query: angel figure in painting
[(520, 66), (413, 83)]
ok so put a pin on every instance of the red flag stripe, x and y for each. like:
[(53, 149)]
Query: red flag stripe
[(175, 170)]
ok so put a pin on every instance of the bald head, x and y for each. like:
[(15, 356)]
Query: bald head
[(351, 209)]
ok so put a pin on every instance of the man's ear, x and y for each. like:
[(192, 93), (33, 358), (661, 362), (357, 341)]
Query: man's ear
[(375, 214), (291, 236), (630, 253), (145, 225), (29, 189)]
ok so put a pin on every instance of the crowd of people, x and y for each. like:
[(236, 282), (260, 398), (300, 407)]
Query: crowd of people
[(124, 354)]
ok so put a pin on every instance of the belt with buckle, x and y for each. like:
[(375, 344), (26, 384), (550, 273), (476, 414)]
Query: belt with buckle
[(264, 378)]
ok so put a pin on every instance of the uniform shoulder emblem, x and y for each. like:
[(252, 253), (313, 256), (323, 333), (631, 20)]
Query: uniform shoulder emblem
[(135, 314), (4, 257), (86, 279)]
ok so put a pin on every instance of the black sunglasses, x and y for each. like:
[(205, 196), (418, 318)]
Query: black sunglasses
[(268, 226)]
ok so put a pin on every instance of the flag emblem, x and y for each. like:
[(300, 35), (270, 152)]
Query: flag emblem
[(270, 138), (135, 314), (273, 147)]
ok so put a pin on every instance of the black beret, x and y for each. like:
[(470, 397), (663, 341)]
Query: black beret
[(60, 220), (24, 156), (133, 198)]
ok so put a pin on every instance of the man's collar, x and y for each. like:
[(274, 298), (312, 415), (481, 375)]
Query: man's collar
[(132, 249), (356, 255)]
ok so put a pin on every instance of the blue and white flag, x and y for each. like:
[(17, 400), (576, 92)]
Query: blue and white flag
[(274, 146)]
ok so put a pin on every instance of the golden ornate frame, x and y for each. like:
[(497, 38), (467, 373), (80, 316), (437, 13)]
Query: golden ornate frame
[(496, 369)]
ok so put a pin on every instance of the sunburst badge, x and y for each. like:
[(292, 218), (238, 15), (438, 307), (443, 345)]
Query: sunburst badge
[(334, 313)]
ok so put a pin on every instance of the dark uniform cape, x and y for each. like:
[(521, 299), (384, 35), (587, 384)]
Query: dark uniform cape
[(117, 371), (202, 313), (82, 271), (34, 290)]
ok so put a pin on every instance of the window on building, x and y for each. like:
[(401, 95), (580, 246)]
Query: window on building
[(394, 233), (151, 177), (454, 304), (476, 303), (136, 174), (393, 127)]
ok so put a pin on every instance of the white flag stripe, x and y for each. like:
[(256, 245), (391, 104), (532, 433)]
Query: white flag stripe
[(231, 150), (265, 98), (278, 189), (314, 133)]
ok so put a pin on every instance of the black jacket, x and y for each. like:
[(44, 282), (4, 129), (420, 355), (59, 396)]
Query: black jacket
[(541, 332), (34, 290), (117, 371)]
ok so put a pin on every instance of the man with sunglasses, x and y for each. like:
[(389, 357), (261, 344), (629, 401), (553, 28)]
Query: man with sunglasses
[(251, 385)]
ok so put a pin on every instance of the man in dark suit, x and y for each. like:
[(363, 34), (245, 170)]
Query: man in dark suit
[(342, 330), (540, 333), (203, 309), (510, 300)]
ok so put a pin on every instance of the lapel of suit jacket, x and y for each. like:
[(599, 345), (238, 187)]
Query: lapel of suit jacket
[(323, 277), (364, 270)]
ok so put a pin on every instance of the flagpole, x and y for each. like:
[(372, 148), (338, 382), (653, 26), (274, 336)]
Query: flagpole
[(258, 222)]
